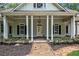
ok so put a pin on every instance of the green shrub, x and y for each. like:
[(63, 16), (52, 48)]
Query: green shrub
[(74, 53)]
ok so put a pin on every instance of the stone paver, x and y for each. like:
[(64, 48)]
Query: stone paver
[(41, 48)]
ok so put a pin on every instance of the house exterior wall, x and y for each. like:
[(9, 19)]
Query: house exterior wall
[(29, 7), (14, 22)]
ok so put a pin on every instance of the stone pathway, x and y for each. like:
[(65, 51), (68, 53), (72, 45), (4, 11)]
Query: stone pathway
[(41, 48)]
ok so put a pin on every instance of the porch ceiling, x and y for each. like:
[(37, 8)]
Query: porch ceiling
[(37, 17)]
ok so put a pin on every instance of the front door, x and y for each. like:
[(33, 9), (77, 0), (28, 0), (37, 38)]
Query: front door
[(39, 28), (39, 31)]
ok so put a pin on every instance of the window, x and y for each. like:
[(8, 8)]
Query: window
[(57, 29), (21, 29), (39, 5), (1, 27)]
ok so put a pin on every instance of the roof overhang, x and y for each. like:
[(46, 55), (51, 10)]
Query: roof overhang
[(55, 13), (39, 13)]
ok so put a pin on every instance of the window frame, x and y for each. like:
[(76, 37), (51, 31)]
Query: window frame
[(21, 29), (56, 29), (35, 5)]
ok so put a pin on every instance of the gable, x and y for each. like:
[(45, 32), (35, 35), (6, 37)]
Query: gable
[(30, 7)]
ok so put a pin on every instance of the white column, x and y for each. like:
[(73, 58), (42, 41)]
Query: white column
[(51, 28), (47, 28), (5, 26), (73, 27), (69, 28), (27, 27), (31, 28)]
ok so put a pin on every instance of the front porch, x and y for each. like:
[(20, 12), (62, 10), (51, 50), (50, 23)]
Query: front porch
[(37, 25)]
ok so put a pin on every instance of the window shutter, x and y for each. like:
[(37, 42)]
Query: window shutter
[(59, 29), (34, 5), (17, 29), (2, 28), (53, 29), (25, 29), (67, 29), (10, 28)]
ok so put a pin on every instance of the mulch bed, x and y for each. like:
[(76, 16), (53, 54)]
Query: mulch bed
[(15, 49)]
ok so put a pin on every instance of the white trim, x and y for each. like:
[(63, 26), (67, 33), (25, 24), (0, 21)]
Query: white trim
[(62, 7), (17, 7)]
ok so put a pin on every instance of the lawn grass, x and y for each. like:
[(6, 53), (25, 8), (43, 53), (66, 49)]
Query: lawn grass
[(74, 53)]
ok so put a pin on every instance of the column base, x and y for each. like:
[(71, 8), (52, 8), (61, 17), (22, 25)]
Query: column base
[(5, 38), (47, 39), (30, 41), (50, 40), (72, 37)]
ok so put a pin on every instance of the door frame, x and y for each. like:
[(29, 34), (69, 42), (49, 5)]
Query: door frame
[(39, 25)]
